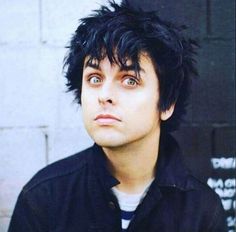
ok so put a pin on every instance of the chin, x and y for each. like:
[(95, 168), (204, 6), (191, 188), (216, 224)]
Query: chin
[(107, 138), (108, 141)]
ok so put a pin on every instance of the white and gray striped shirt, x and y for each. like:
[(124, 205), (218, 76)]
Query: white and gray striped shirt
[(128, 204)]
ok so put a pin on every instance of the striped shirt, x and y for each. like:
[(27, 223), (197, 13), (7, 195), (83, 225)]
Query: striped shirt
[(128, 204)]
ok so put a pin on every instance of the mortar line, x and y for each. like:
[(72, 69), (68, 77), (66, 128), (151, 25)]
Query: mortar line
[(46, 149), (213, 146), (208, 17), (40, 22)]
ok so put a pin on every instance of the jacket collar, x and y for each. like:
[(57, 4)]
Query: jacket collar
[(99, 165), (170, 169)]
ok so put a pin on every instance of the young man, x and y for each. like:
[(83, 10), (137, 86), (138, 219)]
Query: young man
[(131, 73)]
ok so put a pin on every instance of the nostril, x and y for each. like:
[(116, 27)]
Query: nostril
[(105, 100)]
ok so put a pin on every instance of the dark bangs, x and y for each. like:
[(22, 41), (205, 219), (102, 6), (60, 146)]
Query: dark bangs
[(122, 34)]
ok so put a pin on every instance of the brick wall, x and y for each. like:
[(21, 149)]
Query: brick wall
[(38, 121)]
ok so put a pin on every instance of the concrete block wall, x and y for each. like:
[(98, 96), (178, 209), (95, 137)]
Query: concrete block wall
[(39, 123)]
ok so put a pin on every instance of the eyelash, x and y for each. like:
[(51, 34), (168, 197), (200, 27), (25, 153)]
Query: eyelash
[(128, 77), (92, 76), (137, 82)]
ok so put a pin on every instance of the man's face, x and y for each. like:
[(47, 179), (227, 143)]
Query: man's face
[(118, 106)]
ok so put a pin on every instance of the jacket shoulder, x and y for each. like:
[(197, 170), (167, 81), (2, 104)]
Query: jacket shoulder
[(211, 202), (60, 168), (202, 186), (207, 196)]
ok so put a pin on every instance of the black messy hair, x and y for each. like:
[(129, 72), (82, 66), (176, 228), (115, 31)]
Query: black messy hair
[(121, 32)]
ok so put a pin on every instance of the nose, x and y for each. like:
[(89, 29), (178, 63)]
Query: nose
[(106, 94)]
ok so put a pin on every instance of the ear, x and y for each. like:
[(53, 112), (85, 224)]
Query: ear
[(167, 113)]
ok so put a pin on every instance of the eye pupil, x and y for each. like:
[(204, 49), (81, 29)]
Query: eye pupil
[(131, 81), (94, 80)]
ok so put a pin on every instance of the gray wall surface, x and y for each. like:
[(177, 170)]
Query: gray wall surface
[(39, 123)]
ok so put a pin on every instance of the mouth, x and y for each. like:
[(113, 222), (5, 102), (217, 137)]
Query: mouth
[(106, 119)]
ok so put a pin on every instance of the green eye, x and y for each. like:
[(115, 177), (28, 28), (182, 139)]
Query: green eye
[(130, 81), (94, 80)]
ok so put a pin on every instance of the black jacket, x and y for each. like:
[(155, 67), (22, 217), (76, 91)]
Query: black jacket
[(73, 195)]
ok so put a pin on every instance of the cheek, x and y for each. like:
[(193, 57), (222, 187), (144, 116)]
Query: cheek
[(142, 101), (150, 103), (87, 96), (142, 111), (86, 104)]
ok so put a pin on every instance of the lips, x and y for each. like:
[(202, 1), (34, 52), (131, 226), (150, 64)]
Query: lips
[(106, 119)]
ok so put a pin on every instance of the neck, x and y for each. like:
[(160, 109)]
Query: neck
[(134, 164)]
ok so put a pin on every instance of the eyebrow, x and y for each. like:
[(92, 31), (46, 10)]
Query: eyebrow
[(92, 65), (122, 68), (131, 68)]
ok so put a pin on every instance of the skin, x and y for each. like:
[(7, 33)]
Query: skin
[(131, 140)]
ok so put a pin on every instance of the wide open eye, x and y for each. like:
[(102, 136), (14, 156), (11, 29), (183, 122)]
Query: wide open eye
[(130, 81), (94, 80)]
